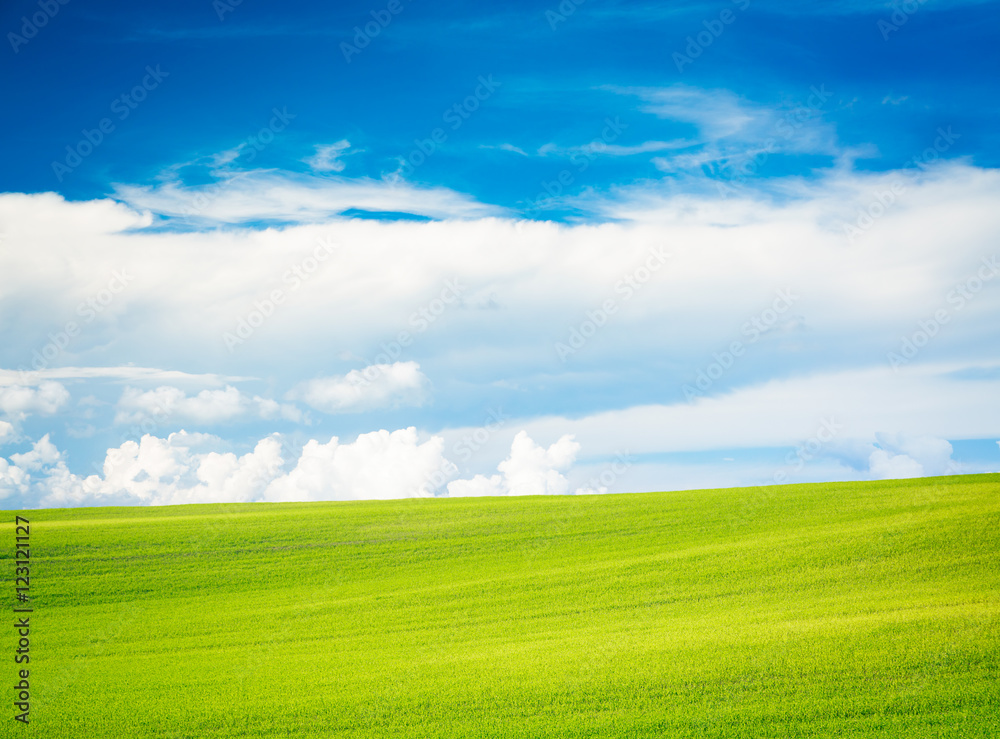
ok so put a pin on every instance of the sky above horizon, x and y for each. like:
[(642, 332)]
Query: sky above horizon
[(392, 249)]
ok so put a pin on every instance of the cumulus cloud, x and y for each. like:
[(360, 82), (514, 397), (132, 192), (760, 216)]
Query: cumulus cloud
[(208, 406), (18, 401), (6, 432), (42, 454), (376, 386), (184, 468), (36, 476), (885, 465), (158, 471), (901, 455), (328, 156), (378, 465), (199, 468), (191, 468), (529, 470)]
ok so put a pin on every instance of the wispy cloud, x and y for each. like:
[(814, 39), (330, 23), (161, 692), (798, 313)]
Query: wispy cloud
[(505, 147), (329, 157), (268, 195), (600, 148), (127, 373)]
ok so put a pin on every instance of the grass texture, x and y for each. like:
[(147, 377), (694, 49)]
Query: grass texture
[(863, 609)]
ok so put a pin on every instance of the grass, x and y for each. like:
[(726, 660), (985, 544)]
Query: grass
[(847, 609)]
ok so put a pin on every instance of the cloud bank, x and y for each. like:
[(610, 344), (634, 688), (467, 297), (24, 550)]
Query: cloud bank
[(862, 300), (178, 470)]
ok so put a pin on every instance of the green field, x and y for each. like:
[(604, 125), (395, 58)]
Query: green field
[(846, 609)]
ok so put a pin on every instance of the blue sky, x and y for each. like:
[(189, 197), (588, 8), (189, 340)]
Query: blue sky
[(396, 248)]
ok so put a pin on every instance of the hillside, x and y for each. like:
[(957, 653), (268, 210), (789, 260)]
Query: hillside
[(845, 609)]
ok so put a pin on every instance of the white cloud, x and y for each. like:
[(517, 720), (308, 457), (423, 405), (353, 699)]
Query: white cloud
[(478, 486), (208, 406), (128, 373), (18, 401), (378, 465), (529, 470), (376, 386), (931, 454), (886, 465), (857, 302), (188, 468), (328, 156), (599, 147), (196, 468), (716, 113), (904, 411), (158, 471), (729, 256), (643, 148), (42, 454), (36, 475), (6, 432), (184, 469), (13, 481), (265, 195), (508, 147), (732, 131)]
